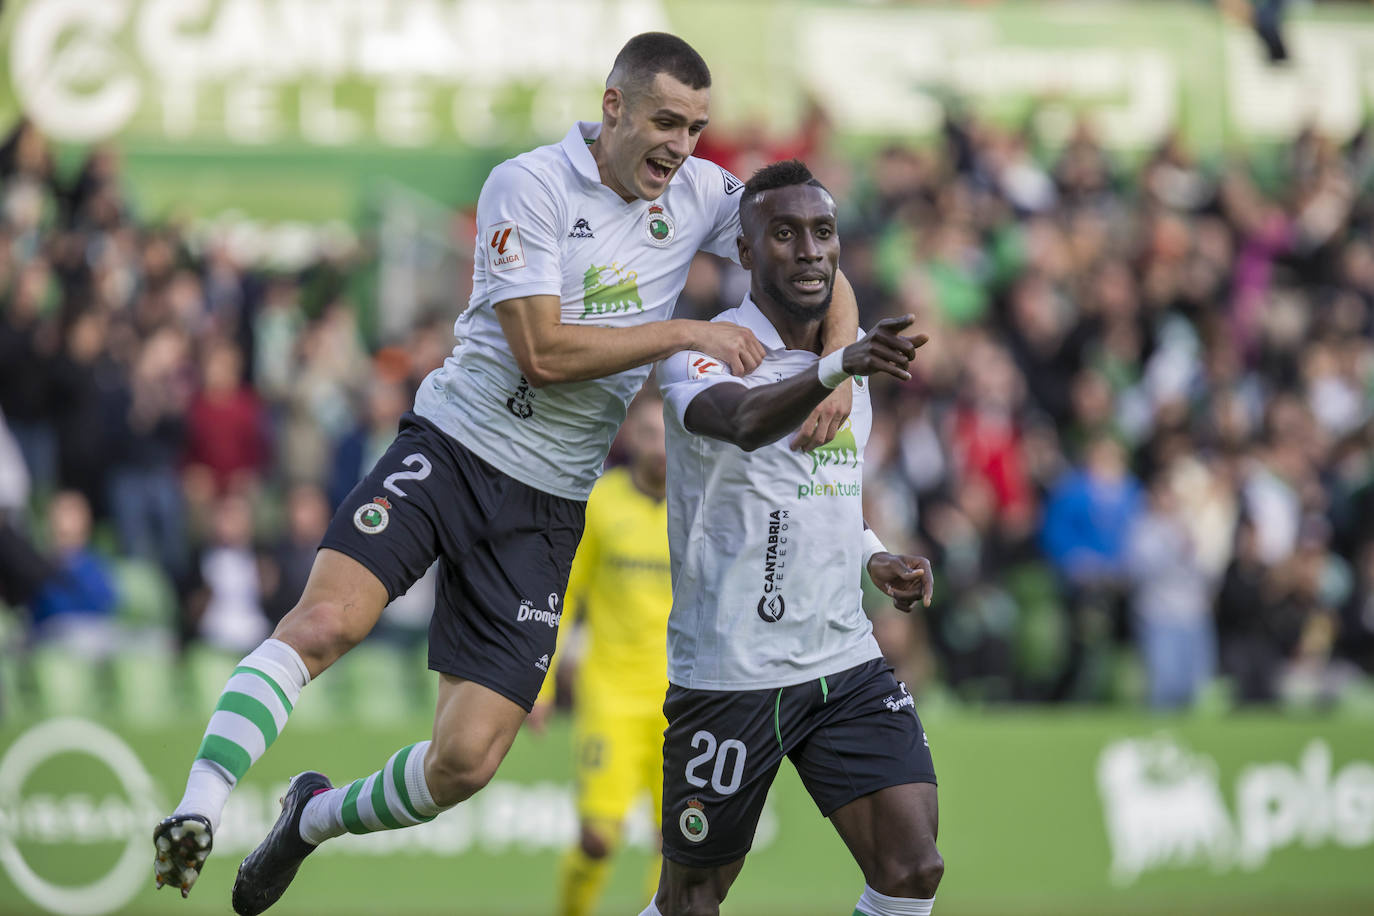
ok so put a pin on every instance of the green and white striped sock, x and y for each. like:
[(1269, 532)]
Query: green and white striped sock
[(395, 796), (251, 712)]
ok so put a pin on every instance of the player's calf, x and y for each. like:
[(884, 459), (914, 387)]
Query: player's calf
[(459, 770)]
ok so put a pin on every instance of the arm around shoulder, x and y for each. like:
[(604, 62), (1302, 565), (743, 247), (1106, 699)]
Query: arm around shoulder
[(550, 352)]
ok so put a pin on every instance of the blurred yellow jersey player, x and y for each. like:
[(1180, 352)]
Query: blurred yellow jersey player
[(621, 589)]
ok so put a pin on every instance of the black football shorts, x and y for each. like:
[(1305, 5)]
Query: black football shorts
[(848, 734), (505, 550)]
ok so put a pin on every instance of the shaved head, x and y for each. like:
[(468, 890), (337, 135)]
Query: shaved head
[(651, 53)]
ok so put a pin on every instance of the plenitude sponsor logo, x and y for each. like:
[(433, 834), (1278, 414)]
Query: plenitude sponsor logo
[(840, 452), (1165, 807), (808, 490)]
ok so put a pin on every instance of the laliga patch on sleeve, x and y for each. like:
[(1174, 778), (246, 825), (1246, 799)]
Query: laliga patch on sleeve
[(699, 365), (504, 251)]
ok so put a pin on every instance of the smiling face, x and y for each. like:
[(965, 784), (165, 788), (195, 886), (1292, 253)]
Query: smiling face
[(648, 134), (791, 246)]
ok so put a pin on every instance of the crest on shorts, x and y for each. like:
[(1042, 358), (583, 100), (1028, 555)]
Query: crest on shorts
[(373, 517), (693, 822), (658, 226)]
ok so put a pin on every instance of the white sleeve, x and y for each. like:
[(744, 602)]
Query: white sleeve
[(516, 219), (721, 191), (686, 374)]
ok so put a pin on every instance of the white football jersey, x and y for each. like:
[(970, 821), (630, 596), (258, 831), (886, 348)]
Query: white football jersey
[(767, 546), (546, 225)]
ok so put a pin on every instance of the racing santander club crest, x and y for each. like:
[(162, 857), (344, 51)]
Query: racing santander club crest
[(373, 517), (693, 822), (658, 225)]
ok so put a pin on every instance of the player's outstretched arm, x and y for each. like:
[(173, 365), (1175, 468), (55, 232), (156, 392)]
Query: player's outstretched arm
[(838, 330), (754, 417), (550, 352)]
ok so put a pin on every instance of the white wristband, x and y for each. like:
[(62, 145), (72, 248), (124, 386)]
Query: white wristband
[(831, 369), (871, 546)]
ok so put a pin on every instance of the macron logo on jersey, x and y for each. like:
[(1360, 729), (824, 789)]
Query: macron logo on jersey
[(700, 366), (504, 251)]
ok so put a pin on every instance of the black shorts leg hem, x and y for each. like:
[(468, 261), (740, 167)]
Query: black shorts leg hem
[(677, 857), (367, 562), (878, 786), (484, 679)]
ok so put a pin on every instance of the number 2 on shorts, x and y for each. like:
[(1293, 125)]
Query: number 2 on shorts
[(419, 469), (728, 747)]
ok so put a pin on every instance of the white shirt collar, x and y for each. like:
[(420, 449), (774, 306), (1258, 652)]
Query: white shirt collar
[(753, 318), (579, 153)]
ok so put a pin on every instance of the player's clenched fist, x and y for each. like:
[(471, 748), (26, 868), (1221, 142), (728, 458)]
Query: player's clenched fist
[(906, 579), (732, 344), (884, 350)]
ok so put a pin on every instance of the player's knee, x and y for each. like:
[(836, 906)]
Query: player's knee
[(320, 631), (458, 770), (915, 876), (929, 871)]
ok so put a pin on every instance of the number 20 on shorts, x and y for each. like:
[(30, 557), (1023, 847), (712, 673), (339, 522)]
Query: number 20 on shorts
[(730, 753)]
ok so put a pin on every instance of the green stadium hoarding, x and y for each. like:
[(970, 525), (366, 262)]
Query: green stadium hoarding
[(286, 107), (1042, 812)]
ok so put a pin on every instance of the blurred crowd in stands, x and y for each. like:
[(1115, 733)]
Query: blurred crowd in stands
[(1139, 449)]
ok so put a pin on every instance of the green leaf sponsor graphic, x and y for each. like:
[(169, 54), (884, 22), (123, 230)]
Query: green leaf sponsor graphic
[(842, 451), (610, 290)]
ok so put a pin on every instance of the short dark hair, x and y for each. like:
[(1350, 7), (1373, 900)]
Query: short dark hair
[(783, 174), (651, 53)]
